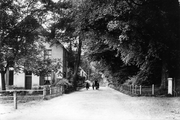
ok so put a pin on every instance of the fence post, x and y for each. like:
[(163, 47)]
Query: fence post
[(133, 89), (62, 89), (44, 92), (152, 89), (50, 90), (58, 89), (130, 88), (140, 89), (15, 99)]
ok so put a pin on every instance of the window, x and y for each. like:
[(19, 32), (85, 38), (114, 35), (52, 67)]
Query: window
[(47, 77), (47, 53)]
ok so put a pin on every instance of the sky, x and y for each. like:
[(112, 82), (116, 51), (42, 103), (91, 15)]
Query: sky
[(55, 0)]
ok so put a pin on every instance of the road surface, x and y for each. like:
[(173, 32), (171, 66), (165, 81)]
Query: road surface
[(102, 104)]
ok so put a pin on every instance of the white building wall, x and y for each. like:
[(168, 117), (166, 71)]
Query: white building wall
[(57, 53), (35, 81), (83, 73), (19, 80)]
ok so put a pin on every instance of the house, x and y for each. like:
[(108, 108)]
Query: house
[(56, 51), (28, 80), (82, 73)]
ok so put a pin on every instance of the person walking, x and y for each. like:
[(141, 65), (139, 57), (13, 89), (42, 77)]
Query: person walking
[(93, 85), (87, 85), (97, 85)]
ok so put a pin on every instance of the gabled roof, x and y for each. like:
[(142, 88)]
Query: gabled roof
[(82, 69)]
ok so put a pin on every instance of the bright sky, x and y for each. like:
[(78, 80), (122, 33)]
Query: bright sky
[(56, 0)]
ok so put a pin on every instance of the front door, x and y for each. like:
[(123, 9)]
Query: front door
[(28, 80)]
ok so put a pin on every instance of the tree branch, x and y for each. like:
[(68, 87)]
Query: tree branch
[(136, 3)]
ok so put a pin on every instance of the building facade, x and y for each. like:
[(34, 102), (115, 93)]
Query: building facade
[(28, 80), (82, 73)]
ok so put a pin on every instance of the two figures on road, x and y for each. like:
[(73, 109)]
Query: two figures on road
[(95, 85)]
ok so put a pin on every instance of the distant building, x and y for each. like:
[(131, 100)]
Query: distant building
[(82, 73)]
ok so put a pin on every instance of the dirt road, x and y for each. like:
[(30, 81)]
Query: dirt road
[(102, 104)]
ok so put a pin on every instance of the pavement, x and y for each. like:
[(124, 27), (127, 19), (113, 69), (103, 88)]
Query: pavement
[(102, 104)]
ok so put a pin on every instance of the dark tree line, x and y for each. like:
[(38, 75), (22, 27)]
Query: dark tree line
[(135, 35)]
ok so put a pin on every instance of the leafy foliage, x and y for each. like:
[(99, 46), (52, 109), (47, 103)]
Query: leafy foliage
[(139, 33), (20, 32), (127, 37)]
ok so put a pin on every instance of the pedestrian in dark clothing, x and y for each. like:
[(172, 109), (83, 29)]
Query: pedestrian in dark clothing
[(97, 86), (87, 86), (93, 85)]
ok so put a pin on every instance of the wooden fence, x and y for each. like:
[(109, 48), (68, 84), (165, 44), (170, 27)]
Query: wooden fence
[(18, 95), (139, 90), (176, 84)]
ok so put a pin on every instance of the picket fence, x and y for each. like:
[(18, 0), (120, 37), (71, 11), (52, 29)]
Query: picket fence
[(138, 89), (18, 95)]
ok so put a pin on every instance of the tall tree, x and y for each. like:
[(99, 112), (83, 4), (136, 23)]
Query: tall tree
[(143, 32), (69, 29), (19, 32)]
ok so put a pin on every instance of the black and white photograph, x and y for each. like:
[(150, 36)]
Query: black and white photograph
[(89, 59)]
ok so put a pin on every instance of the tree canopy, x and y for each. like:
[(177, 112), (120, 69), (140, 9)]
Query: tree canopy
[(22, 36), (141, 33), (126, 37)]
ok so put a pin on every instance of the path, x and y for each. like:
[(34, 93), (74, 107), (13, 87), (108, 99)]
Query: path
[(103, 104)]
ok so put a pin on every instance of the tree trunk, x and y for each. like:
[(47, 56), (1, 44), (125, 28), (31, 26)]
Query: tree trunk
[(3, 83), (164, 74), (75, 75)]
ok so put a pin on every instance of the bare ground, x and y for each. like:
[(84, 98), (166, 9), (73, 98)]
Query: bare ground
[(103, 104)]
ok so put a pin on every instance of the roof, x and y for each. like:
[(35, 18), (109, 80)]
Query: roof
[(82, 70)]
